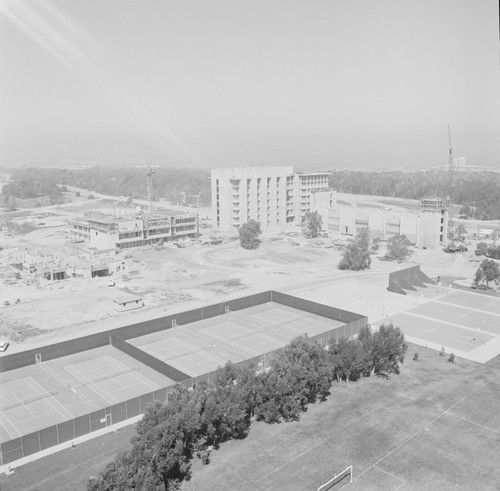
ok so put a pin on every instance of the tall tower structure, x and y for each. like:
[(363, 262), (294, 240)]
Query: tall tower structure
[(451, 176), (149, 187)]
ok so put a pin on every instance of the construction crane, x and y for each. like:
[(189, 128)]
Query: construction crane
[(451, 177), (150, 173)]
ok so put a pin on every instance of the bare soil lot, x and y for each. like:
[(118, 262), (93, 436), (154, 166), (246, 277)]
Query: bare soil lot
[(168, 277)]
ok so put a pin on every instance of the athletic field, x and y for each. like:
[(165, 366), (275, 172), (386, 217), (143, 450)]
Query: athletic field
[(434, 427), (465, 323)]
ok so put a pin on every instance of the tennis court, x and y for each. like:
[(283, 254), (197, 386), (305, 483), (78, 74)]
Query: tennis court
[(474, 300), (26, 406), (171, 347), (462, 321), (53, 392), (226, 331), (203, 346), (110, 379), (198, 363), (440, 333), (460, 315), (257, 343)]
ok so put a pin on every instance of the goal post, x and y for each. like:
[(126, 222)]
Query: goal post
[(342, 478)]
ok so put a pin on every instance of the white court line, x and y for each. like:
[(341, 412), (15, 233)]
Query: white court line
[(86, 381), (133, 374), (24, 405), (120, 371), (145, 380), (62, 409), (5, 407), (13, 426), (16, 382)]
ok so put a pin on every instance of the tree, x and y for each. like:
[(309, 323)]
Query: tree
[(11, 204), (357, 253), (349, 359), (249, 235), (398, 248), (481, 249), (458, 234), (487, 272), (465, 210), (312, 222), (388, 350)]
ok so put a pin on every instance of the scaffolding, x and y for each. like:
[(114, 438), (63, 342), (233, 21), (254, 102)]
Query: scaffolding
[(434, 205)]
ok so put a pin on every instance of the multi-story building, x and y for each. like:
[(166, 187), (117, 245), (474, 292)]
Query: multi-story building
[(109, 232), (433, 224), (273, 196)]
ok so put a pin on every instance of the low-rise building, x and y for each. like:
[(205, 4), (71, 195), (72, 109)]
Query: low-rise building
[(127, 302), (105, 232), (427, 228)]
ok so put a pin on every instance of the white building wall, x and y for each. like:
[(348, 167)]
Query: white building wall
[(376, 223), (409, 227), (322, 201), (303, 186), (242, 194), (427, 230), (102, 240), (433, 229), (268, 195)]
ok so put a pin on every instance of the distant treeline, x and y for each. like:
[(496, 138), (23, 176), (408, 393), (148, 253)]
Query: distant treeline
[(31, 183), (477, 192), (186, 186)]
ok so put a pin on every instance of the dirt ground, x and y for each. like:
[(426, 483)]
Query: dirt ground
[(169, 278)]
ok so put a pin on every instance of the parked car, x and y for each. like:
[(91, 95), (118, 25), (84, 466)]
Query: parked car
[(4, 345)]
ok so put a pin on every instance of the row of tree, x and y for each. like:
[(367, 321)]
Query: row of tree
[(477, 192), (26, 186), (183, 186), (357, 254), (250, 231), (491, 251), (192, 423)]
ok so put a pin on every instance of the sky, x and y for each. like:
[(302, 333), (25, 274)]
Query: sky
[(218, 83)]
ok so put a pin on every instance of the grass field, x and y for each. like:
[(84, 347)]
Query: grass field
[(435, 426)]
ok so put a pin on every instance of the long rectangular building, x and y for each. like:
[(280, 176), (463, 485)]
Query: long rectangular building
[(427, 229), (108, 232)]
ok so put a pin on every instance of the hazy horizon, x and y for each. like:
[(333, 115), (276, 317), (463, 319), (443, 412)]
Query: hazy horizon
[(371, 84)]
